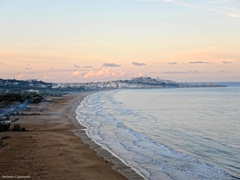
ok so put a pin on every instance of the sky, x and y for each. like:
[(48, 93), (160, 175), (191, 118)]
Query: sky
[(100, 40)]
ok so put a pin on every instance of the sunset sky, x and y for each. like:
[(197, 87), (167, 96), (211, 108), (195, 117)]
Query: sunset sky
[(98, 40)]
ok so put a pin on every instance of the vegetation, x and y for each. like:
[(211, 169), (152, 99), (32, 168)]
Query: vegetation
[(17, 127), (12, 97), (35, 98), (4, 127), (16, 97)]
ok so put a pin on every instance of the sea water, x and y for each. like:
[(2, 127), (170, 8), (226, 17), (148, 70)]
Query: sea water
[(180, 133)]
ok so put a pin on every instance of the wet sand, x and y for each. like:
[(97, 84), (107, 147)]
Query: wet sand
[(55, 146)]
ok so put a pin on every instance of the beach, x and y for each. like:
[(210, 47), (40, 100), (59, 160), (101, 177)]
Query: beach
[(55, 146)]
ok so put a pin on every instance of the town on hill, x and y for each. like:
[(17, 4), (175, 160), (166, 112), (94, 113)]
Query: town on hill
[(20, 86)]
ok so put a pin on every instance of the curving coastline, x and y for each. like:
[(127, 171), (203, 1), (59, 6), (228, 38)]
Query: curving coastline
[(118, 165), (50, 150)]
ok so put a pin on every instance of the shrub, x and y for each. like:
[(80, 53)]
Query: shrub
[(4, 127), (16, 127)]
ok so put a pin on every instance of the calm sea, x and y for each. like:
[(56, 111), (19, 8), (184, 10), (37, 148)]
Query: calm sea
[(188, 133)]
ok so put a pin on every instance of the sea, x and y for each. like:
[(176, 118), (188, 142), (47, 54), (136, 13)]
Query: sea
[(171, 133)]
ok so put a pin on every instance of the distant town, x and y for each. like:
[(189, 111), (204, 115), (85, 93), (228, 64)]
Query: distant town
[(12, 85)]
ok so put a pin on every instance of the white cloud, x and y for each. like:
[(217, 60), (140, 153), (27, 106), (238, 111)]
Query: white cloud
[(147, 0), (220, 1), (104, 73), (234, 15), (229, 8)]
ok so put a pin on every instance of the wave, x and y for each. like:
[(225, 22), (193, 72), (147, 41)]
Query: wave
[(102, 115)]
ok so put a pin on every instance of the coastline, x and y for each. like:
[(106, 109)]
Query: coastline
[(117, 164), (51, 147)]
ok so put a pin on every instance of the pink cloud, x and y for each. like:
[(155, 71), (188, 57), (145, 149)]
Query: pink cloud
[(104, 73), (75, 74), (20, 76), (122, 74), (140, 75), (48, 77)]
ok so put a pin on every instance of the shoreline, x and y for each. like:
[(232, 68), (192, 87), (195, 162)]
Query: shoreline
[(117, 164), (51, 147)]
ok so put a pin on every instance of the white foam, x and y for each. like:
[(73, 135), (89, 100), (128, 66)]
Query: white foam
[(102, 117)]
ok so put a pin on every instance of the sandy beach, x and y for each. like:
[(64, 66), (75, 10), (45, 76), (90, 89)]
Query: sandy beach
[(55, 146)]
